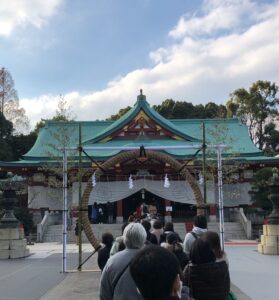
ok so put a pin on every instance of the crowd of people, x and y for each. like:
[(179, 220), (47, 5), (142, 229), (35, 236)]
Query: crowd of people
[(150, 261)]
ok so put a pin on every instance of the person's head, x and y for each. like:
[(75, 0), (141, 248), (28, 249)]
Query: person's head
[(146, 224), (200, 221), (201, 253), (213, 239), (157, 224), (107, 239), (168, 226), (156, 272), (131, 219), (134, 236), (124, 225), (172, 238)]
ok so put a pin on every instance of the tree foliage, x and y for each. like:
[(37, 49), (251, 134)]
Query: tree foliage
[(9, 104), (254, 107), (6, 131), (271, 139), (259, 192), (120, 113), (171, 109)]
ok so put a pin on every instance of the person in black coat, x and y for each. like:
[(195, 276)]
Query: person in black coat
[(168, 228), (206, 278), (104, 252), (150, 238), (173, 245)]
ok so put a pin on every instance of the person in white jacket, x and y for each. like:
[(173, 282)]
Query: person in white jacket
[(200, 227)]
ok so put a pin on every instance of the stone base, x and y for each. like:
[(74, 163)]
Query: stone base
[(4, 254), (212, 218), (11, 233), (12, 243), (269, 240), (119, 220), (19, 253)]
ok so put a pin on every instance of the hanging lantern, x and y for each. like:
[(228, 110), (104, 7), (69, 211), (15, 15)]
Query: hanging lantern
[(131, 183), (167, 182), (94, 180), (142, 194)]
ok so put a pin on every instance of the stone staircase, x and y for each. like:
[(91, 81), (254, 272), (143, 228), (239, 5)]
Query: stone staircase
[(233, 231), (54, 232)]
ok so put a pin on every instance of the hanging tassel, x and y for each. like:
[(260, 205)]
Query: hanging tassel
[(200, 178), (94, 180), (131, 183), (167, 182)]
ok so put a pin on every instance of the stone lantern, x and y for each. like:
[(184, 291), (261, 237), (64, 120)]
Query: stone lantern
[(12, 241), (270, 238)]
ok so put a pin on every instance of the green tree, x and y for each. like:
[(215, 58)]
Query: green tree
[(21, 144), (120, 113), (9, 104), (271, 138), (254, 107), (6, 130), (213, 110), (259, 191), (165, 108)]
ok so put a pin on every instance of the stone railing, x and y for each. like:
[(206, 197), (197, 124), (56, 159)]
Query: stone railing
[(247, 225), (42, 227)]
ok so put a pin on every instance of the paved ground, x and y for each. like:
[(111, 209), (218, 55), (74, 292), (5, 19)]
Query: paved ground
[(254, 276)]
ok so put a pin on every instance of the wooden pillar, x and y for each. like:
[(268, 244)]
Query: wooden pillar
[(119, 211), (168, 217)]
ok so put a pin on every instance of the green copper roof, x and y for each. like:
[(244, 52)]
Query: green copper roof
[(218, 131), (141, 104), (55, 134), (221, 131)]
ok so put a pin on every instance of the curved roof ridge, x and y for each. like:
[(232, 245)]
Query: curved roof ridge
[(141, 104), (208, 120)]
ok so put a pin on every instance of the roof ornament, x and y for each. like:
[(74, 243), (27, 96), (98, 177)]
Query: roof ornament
[(141, 97)]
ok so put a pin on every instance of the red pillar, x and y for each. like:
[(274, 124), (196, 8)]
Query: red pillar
[(119, 212), (212, 213)]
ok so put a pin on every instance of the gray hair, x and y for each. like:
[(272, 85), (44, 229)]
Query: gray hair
[(134, 236)]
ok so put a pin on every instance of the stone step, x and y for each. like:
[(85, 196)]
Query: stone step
[(54, 232)]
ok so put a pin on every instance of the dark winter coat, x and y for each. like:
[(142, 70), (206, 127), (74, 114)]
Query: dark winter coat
[(103, 256), (208, 281), (163, 237), (151, 238)]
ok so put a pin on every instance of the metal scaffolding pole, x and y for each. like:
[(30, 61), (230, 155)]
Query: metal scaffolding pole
[(65, 210), (220, 196)]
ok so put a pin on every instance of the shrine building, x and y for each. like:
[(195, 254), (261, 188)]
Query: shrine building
[(169, 178)]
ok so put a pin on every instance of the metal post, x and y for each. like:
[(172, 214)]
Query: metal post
[(65, 211), (79, 204), (220, 197), (204, 163)]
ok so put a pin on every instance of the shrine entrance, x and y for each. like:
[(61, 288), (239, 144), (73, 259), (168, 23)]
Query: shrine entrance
[(129, 155)]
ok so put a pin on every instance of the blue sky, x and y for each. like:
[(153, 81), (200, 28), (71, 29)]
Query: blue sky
[(98, 54)]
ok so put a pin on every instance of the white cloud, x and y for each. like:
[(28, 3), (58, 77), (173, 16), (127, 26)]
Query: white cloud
[(216, 15), (15, 13), (197, 67)]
